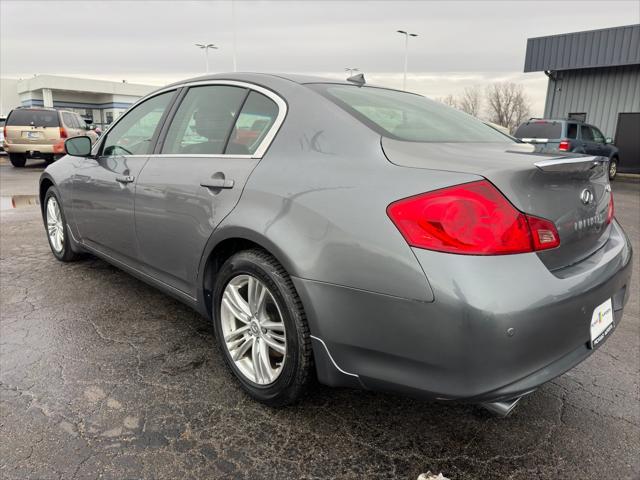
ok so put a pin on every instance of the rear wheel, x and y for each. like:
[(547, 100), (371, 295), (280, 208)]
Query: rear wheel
[(613, 168), (56, 225), (18, 159), (261, 328)]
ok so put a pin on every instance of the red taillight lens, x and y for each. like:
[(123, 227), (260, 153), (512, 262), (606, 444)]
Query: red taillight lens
[(63, 132), (611, 210), (565, 145), (473, 219)]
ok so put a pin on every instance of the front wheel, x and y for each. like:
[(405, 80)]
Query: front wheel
[(261, 328), (56, 225), (613, 168)]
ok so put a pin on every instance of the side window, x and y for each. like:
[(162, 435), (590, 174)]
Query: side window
[(256, 118), (69, 120), (133, 133), (597, 135), (82, 125), (572, 130), (585, 132), (204, 120)]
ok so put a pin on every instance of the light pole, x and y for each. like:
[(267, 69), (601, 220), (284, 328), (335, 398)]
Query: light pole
[(351, 71), (406, 55), (206, 47)]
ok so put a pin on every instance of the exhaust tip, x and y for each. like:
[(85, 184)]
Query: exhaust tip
[(501, 409)]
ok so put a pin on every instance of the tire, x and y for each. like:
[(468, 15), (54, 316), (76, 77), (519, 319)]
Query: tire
[(296, 362), (613, 168), (18, 160), (49, 159), (62, 250)]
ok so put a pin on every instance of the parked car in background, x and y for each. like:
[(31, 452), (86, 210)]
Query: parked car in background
[(40, 133), (569, 136), (370, 236), (2, 120)]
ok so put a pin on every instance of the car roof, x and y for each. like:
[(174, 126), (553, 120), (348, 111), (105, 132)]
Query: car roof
[(253, 76)]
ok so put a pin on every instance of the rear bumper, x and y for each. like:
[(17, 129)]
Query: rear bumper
[(49, 149), (460, 346)]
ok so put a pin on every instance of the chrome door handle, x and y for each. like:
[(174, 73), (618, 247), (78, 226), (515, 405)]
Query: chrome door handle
[(217, 183), (125, 179)]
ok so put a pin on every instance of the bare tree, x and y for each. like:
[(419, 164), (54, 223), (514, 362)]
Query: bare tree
[(449, 100), (508, 104), (471, 101)]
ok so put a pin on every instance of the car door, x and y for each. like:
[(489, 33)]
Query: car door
[(600, 141), (196, 177), (103, 187), (588, 142)]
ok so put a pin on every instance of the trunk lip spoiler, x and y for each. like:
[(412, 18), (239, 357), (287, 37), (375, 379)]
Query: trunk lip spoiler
[(570, 163)]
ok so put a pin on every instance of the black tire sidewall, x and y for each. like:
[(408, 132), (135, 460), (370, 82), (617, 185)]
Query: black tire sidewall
[(67, 254), (250, 263), (18, 160)]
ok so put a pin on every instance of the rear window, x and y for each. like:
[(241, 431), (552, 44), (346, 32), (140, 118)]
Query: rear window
[(405, 116), (37, 118), (551, 130)]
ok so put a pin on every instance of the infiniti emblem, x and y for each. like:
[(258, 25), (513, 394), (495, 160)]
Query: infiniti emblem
[(586, 196)]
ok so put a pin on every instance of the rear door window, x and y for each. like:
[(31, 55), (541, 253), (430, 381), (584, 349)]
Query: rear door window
[(254, 122), (572, 130), (69, 120), (36, 118), (539, 129), (204, 121), (586, 133)]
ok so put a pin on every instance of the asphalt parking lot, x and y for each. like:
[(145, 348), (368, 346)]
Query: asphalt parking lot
[(102, 376)]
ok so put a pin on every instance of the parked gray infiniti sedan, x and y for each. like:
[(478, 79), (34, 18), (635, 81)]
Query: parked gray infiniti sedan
[(368, 236)]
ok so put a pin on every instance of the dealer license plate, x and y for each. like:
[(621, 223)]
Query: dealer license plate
[(601, 323)]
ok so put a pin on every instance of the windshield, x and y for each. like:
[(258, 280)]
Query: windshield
[(405, 116), (539, 129), (37, 118)]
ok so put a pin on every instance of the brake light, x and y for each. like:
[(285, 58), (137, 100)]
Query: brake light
[(63, 132), (611, 210), (473, 219), (565, 145)]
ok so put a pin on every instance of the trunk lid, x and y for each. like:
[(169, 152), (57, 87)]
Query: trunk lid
[(551, 186)]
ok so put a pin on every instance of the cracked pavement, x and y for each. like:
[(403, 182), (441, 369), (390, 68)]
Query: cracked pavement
[(102, 376)]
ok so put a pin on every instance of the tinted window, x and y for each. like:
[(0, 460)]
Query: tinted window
[(39, 118), (597, 135), (204, 120), (539, 129), (132, 135), (572, 130), (256, 118), (409, 117), (586, 133)]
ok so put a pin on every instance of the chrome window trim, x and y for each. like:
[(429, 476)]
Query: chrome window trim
[(266, 141)]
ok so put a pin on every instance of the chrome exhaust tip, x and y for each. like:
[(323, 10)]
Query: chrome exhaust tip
[(502, 409)]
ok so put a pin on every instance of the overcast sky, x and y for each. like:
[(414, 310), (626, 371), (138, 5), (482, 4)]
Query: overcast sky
[(460, 44)]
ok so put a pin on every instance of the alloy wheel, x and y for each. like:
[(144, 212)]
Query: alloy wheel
[(253, 329), (55, 227)]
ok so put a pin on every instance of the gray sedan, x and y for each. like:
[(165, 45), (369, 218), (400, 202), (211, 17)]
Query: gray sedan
[(367, 236)]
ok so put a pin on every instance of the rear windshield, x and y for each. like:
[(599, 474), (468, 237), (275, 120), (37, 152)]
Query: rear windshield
[(37, 118), (551, 130), (405, 116)]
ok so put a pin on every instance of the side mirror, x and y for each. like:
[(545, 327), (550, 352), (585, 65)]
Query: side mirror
[(608, 140), (78, 146)]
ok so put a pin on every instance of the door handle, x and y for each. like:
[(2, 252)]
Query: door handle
[(217, 183), (125, 179)]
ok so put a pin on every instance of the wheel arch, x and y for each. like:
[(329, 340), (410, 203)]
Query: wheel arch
[(46, 182), (221, 246)]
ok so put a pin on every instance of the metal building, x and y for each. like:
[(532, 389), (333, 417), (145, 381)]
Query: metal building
[(594, 76)]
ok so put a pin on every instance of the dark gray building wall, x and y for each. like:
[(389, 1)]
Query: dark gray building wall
[(595, 48), (601, 93)]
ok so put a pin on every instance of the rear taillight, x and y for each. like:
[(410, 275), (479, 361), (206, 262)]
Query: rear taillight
[(565, 145), (611, 210), (63, 132), (473, 219)]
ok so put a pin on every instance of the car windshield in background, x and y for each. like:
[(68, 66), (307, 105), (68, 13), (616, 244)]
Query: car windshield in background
[(37, 118), (539, 129), (406, 116)]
